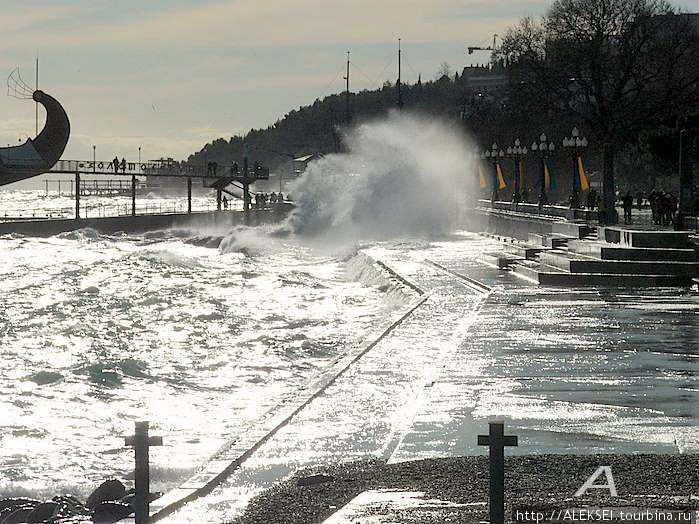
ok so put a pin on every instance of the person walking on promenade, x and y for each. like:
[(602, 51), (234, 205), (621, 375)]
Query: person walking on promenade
[(123, 165), (115, 162), (627, 202)]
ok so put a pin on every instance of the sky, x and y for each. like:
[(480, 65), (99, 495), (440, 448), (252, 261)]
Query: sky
[(170, 75)]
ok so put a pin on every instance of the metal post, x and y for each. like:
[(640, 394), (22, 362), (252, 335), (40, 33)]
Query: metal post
[(133, 195), (576, 176), (246, 191), (516, 197), (543, 199), (218, 200), (608, 189), (77, 194), (189, 194), (496, 442), (496, 183), (687, 203), (141, 443)]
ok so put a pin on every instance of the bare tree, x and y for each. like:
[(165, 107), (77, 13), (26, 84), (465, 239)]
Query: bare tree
[(617, 65), (444, 70)]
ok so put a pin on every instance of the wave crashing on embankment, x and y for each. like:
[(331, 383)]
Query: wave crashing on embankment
[(404, 175)]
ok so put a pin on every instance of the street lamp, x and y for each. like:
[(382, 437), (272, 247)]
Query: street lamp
[(516, 153), (543, 150), (575, 144), (494, 155), (94, 157)]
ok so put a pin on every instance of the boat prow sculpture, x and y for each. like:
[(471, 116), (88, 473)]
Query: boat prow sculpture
[(37, 156)]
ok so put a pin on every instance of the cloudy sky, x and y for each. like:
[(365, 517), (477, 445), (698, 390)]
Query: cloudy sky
[(170, 75)]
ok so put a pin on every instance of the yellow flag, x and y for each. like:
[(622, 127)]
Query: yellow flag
[(501, 178), (547, 177), (584, 182), (482, 176)]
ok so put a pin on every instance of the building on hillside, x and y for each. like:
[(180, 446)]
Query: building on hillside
[(301, 163), (484, 80)]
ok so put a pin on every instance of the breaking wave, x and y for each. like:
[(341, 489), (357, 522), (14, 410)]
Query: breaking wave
[(404, 175)]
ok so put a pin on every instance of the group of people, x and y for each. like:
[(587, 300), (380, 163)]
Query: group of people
[(663, 206), (262, 199)]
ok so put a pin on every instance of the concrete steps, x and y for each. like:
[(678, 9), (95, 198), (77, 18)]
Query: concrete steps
[(575, 254), (544, 275), (500, 260), (607, 251), (576, 263)]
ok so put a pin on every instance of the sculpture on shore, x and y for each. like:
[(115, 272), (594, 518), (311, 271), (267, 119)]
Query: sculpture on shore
[(38, 155)]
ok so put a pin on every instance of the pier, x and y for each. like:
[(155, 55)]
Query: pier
[(210, 175)]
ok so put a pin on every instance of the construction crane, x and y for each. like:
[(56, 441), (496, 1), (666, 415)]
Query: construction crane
[(471, 49)]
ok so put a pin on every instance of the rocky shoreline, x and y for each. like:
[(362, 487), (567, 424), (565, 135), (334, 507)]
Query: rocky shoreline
[(644, 481), (110, 502)]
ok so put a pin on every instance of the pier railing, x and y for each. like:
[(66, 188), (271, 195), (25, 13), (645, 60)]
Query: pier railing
[(107, 210), (107, 167)]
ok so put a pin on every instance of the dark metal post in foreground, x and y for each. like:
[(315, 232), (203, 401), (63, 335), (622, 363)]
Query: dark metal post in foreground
[(133, 195), (189, 194), (686, 181), (496, 441), (77, 194), (141, 442)]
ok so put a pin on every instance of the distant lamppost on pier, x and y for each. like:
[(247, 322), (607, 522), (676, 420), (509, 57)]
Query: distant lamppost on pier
[(495, 156), (516, 153), (543, 150), (575, 144), (139, 157), (94, 157)]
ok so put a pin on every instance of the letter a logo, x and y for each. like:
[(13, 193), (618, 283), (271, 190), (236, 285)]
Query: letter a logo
[(607, 470)]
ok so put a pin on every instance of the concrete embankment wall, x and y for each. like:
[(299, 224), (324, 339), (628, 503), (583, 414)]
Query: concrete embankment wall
[(514, 225), (140, 223)]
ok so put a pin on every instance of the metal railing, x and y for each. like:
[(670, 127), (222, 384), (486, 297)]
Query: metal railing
[(129, 168), (101, 210)]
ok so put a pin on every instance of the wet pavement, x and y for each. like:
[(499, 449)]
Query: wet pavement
[(569, 371)]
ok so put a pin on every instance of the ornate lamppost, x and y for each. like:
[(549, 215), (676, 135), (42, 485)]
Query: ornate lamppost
[(516, 153), (494, 155), (575, 144), (543, 150)]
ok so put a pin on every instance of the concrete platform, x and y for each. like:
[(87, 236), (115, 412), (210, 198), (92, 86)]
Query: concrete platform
[(577, 263), (606, 251), (523, 250), (576, 230), (499, 260), (644, 238), (550, 276)]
